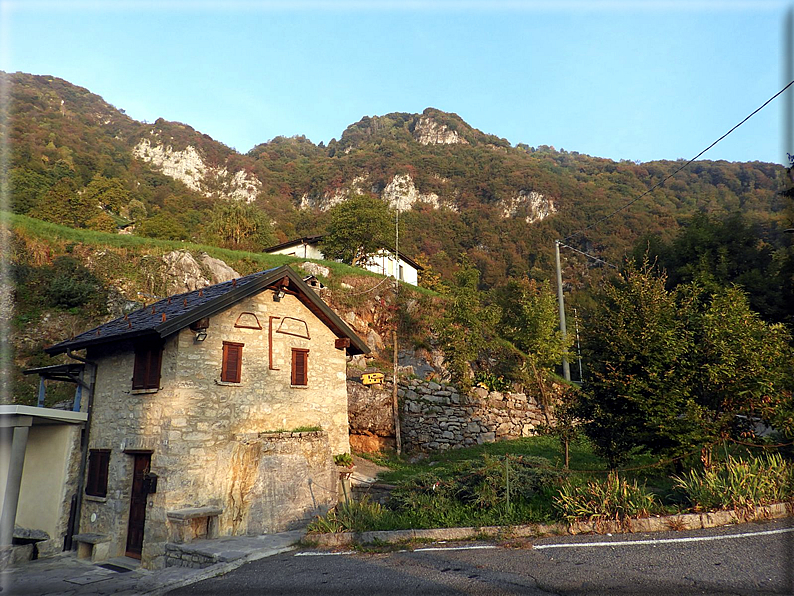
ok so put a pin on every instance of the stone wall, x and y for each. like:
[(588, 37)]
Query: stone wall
[(439, 417), (204, 435), (370, 415)]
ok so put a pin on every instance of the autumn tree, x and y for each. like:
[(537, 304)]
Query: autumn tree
[(108, 193), (238, 225), (359, 227), (63, 204)]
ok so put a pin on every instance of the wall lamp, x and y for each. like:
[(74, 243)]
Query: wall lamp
[(200, 328), (279, 295)]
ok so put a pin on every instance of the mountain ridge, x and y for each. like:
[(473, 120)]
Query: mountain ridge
[(463, 191)]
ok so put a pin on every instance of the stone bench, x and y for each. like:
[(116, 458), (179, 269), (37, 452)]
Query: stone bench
[(92, 546), (191, 523)]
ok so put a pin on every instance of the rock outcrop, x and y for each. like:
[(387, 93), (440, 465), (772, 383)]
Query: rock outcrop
[(401, 194), (188, 167), (430, 132), (530, 205), (182, 273)]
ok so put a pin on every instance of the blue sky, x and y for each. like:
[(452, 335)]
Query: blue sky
[(624, 80)]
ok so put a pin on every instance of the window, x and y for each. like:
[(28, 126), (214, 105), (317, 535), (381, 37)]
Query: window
[(232, 362), (300, 366), (146, 373), (98, 463)]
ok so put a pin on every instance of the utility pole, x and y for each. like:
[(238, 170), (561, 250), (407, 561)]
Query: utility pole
[(394, 401), (578, 345), (566, 370)]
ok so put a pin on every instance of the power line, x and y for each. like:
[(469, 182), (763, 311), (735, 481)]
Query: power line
[(589, 256), (660, 183)]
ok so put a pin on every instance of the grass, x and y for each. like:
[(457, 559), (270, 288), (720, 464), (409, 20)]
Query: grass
[(434, 491), (253, 261), (581, 457)]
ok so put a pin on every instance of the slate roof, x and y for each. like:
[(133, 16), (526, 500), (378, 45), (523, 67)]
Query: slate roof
[(169, 315)]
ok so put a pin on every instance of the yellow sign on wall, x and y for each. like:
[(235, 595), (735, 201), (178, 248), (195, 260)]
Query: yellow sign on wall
[(372, 378)]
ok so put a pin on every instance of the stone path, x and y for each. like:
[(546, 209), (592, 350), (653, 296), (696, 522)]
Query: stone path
[(66, 575)]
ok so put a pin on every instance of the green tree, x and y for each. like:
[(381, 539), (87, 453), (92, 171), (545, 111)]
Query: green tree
[(672, 370), (530, 322), (109, 193), (467, 328), (359, 227), (63, 204), (637, 388), (27, 187), (744, 365), (240, 226), (163, 226)]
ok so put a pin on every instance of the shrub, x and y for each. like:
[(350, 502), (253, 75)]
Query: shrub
[(343, 459), (614, 498), (482, 484), (69, 284), (491, 381), (739, 483), (349, 516)]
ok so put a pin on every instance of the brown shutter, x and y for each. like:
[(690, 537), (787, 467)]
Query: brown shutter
[(139, 371), (98, 464), (231, 368), (300, 366), (153, 374), (146, 371)]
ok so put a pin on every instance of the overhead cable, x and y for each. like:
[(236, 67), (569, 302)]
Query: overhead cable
[(595, 258), (666, 178)]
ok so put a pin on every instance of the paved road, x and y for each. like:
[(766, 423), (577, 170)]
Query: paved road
[(750, 559)]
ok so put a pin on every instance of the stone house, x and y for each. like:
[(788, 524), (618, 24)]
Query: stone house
[(211, 413), (384, 262)]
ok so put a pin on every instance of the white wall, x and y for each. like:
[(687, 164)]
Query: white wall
[(44, 472), (382, 263), (302, 251)]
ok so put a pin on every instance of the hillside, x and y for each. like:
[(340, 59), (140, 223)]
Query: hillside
[(460, 190), (67, 281)]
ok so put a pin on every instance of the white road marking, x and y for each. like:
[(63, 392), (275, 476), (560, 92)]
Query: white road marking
[(664, 540), (313, 554), (416, 550)]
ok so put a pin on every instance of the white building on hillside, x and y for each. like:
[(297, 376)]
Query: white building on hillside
[(403, 268)]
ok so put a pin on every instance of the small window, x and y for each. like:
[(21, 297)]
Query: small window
[(300, 366), (232, 362), (98, 463), (146, 373)]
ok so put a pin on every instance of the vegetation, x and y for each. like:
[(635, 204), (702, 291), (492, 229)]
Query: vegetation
[(64, 139), (522, 481), (738, 482), (359, 228), (612, 498), (671, 370), (343, 459)]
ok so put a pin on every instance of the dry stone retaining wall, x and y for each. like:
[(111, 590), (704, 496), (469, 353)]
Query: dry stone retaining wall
[(440, 417)]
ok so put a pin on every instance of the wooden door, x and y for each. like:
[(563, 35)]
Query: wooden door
[(137, 505)]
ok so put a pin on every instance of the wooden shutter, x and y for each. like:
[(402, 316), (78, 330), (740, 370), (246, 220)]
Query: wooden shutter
[(98, 465), (300, 366), (146, 372), (232, 365)]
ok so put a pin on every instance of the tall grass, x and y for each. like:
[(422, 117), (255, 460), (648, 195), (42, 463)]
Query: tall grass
[(612, 498), (739, 483)]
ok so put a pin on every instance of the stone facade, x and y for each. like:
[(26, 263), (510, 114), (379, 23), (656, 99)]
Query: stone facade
[(370, 414), (439, 417), (212, 442)]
